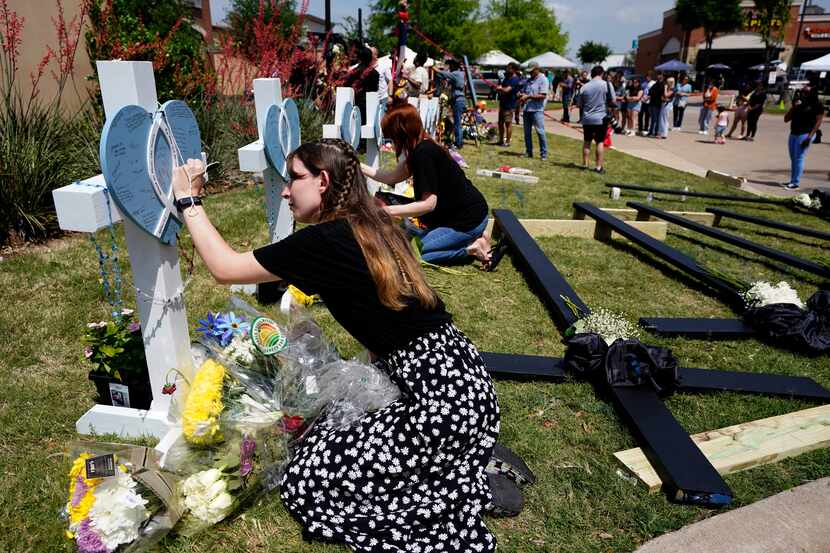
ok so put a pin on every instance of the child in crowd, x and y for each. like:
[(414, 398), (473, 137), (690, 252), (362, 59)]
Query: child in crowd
[(721, 125)]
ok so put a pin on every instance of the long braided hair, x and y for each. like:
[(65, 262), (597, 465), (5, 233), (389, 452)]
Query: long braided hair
[(397, 274)]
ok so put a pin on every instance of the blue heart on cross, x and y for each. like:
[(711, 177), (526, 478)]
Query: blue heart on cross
[(282, 134), (139, 151)]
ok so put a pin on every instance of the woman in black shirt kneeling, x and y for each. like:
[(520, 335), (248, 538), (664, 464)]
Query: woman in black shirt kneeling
[(453, 211), (410, 476)]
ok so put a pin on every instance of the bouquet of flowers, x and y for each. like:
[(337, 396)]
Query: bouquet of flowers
[(118, 499), (609, 325), (808, 202), (115, 346), (261, 383), (762, 293)]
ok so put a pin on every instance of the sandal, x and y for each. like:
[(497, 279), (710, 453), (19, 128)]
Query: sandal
[(496, 254), (507, 463), (506, 497)]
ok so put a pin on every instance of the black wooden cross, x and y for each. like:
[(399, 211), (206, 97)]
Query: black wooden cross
[(687, 475)]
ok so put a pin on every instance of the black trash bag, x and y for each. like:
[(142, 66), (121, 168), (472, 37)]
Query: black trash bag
[(632, 363), (786, 324), (823, 195), (585, 356)]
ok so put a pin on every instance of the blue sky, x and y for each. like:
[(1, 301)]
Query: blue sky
[(602, 20)]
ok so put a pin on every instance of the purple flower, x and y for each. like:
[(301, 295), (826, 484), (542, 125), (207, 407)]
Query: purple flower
[(231, 326), (80, 491), (88, 541), (246, 455), (88, 352), (134, 326), (209, 325)]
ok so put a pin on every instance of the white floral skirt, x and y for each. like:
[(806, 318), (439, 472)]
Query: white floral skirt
[(409, 477)]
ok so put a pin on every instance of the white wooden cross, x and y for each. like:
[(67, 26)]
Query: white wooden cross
[(83, 208), (267, 92), (345, 96)]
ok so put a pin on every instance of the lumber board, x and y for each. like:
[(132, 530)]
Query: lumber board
[(804, 231), (747, 445), (579, 228), (508, 365), (735, 240), (698, 329), (691, 194), (628, 215)]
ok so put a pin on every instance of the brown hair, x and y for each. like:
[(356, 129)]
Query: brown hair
[(397, 274), (402, 125)]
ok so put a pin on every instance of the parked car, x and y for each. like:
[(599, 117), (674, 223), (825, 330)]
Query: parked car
[(482, 86)]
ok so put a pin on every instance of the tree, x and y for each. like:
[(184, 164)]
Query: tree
[(453, 26), (244, 13), (715, 16), (592, 53), (525, 28), (770, 20)]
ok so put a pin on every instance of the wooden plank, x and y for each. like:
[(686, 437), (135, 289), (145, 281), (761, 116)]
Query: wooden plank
[(530, 179), (627, 214), (663, 251), (506, 365), (735, 240), (691, 194), (578, 228), (721, 213), (725, 178), (698, 328), (744, 446)]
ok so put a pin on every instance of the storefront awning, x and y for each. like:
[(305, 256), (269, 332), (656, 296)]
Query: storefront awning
[(736, 41)]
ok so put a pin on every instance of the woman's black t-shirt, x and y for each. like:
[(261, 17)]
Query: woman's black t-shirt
[(804, 117), (326, 259), (460, 205)]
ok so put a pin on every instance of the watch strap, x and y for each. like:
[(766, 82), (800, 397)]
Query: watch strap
[(189, 201)]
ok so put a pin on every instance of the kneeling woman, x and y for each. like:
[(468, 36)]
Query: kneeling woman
[(409, 477), (453, 211)]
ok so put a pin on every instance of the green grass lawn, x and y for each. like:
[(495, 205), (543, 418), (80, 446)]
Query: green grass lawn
[(581, 504)]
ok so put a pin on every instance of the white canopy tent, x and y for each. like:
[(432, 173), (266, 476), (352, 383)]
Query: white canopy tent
[(409, 59), (495, 58), (551, 60), (820, 64)]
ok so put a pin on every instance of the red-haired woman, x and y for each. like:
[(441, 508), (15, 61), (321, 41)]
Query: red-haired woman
[(446, 202)]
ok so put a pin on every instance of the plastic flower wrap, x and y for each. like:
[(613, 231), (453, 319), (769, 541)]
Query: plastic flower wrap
[(262, 382), (118, 498), (763, 293)]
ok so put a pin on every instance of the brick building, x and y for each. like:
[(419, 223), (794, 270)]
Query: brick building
[(740, 49)]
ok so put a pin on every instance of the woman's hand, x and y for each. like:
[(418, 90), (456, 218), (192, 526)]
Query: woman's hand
[(189, 179)]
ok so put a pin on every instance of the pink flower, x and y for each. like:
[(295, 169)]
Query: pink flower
[(88, 352), (88, 541), (134, 327), (246, 455), (80, 491)]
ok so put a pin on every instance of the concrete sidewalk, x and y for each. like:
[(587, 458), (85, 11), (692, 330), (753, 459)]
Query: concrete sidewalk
[(765, 163), (794, 521)]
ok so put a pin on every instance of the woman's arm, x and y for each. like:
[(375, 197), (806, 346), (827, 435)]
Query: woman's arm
[(395, 175), (226, 265), (806, 142), (415, 209)]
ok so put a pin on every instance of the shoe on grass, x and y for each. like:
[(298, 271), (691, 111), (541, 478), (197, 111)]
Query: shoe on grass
[(599, 170)]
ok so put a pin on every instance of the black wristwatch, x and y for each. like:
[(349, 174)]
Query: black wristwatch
[(183, 203)]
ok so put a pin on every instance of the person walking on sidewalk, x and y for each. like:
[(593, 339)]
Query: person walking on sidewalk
[(534, 97), (805, 118), (710, 104), (567, 86), (757, 101), (681, 98), (666, 111), (644, 118), (594, 100), (634, 99), (656, 94)]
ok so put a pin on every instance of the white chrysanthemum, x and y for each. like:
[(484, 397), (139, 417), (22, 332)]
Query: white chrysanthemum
[(240, 350), (118, 511), (611, 326), (763, 293), (803, 200), (206, 496)]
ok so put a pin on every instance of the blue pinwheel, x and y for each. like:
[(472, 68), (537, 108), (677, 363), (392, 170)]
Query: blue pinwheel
[(231, 326), (210, 326)]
